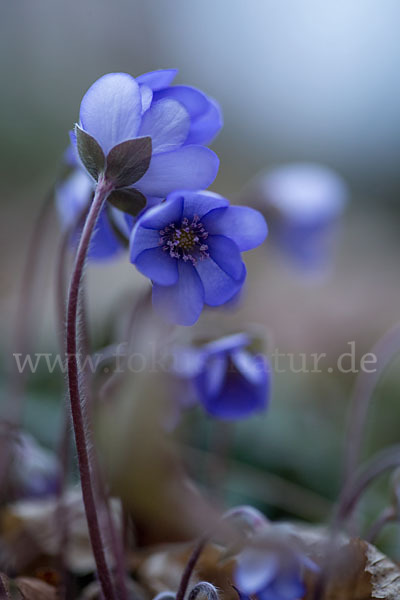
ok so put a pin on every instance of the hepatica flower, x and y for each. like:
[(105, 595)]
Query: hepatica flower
[(272, 569), (229, 380), (190, 247), (303, 202), (147, 136)]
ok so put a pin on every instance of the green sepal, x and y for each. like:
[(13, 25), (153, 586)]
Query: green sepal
[(128, 200), (90, 153), (128, 162)]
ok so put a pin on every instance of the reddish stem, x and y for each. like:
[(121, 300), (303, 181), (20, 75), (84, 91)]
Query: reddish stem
[(190, 565), (82, 434)]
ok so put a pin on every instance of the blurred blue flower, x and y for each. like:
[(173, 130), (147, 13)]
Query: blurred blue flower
[(303, 203), (73, 196), (34, 470), (179, 119), (190, 246), (230, 381), (272, 570)]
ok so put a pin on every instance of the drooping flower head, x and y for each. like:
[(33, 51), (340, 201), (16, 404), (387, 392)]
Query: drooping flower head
[(229, 379), (190, 247), (166, 127), (302, 203)]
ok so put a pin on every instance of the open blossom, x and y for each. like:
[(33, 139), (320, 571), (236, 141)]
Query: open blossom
[(190, 247), (229, 380), (179, 120), (303, 202)]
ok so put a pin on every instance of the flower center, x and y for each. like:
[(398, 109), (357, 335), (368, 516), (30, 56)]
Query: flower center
[(185, 241)]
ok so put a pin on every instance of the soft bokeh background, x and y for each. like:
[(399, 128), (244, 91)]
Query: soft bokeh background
[(297, 80)]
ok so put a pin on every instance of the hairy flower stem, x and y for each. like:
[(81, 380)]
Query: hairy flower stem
[(63, 450), (190, 565), (61, 277), (82, 435)]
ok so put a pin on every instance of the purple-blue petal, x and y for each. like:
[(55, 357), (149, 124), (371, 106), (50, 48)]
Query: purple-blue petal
[(105, 244), (163, 214), (245, 226), (204, 129), (71, 156), (285, 587), (205, 113), (195, 102), (183, 302), (188, 167), (146, 94), (142, 239), (210, 381), (157, 80), (253, 367), (199, 203), (238, 398), (167, 123), (219, 287), (227, 343), (111, 110), (72, 195), (158, 266), (255, 570), (226, 254)]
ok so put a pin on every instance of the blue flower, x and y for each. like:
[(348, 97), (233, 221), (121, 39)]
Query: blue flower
[(178, 119), (117, 108), (190, 246), (230, 381), (272, 569), (302, 202), (73, 196), (34, 470)]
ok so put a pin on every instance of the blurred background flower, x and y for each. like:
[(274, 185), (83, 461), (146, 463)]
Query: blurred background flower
[(302, 202), (230, 381)]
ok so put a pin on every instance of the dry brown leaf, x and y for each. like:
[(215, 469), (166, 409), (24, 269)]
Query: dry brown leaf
[(28, 588), (358, 570), (93, 591), (161, 570), (35, 589), (31, 529)]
